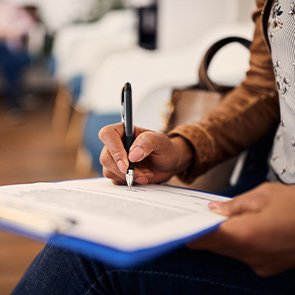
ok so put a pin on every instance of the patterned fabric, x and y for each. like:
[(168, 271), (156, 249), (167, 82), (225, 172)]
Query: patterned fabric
[(282, 41)]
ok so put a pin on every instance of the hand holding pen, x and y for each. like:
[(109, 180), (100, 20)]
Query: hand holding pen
[(140, 156)]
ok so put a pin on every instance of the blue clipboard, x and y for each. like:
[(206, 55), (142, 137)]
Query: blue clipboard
[(109, 255), (103, 253)]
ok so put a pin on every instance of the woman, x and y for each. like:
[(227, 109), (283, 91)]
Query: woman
[(15, 24), (258, 240)]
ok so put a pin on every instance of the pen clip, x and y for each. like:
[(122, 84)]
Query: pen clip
[(123, 106)]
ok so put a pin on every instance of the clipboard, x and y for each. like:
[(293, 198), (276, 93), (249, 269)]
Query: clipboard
[(54, 230)]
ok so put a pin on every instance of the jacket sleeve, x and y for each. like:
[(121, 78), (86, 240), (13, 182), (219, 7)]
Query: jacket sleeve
[(246, 113)]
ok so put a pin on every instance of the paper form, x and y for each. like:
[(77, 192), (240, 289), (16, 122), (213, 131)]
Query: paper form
[(98, 211)]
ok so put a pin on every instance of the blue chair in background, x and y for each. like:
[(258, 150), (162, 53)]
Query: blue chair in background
[(90, 142)]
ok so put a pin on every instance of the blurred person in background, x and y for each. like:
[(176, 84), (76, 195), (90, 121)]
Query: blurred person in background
[(15, 24)]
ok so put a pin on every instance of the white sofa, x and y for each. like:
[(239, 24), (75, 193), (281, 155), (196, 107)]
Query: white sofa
[(77, 47), (152, 71)]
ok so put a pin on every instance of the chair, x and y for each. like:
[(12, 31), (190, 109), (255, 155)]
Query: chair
[(163, 68), (76, 47), (91, 146)]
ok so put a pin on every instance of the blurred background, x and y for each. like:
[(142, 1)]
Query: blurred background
[(62, 67)]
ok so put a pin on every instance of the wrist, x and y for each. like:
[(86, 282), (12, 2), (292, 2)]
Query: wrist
[(184, 152)]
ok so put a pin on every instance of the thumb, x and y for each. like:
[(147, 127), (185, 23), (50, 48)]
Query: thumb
[(145, 144), (248, 202)]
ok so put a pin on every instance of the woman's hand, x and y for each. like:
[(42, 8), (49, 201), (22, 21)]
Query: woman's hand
[(260, 231), (158, 157)]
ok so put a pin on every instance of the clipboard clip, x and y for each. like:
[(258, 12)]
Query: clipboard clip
[(43, 223)]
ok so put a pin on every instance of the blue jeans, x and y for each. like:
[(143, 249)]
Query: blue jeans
[(57, 271)]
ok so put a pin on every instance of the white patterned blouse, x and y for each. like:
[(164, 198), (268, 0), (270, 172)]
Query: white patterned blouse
[(281, 34)]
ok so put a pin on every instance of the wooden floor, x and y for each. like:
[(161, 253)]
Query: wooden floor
[(29, 151)]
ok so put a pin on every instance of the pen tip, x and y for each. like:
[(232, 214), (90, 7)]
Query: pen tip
[(129, 178)]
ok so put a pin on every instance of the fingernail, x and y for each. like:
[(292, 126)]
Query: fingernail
[(141, 180), (215, 206), (136, 154), (122, 166)]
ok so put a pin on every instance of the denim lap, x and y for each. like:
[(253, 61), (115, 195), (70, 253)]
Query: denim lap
[(183, 271)]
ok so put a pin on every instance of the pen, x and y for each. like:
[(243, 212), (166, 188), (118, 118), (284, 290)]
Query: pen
[(126, 114)]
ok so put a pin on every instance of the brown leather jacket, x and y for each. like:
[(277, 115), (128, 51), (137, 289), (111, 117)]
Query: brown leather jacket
[(245, 115)]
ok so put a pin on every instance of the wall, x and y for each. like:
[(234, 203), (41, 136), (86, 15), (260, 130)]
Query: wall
[(182, 21)]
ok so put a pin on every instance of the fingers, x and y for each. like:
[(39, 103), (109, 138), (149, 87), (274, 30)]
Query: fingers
[(115, 179), (120, 180), (251, 201), (111, 137), (235, 236), (115, 160), (235, 207), (110, 170), (109, 164)]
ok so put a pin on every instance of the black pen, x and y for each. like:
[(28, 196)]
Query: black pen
[(126, 114)]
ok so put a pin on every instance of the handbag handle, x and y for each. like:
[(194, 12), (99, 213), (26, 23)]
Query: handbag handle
[(204, 80)]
